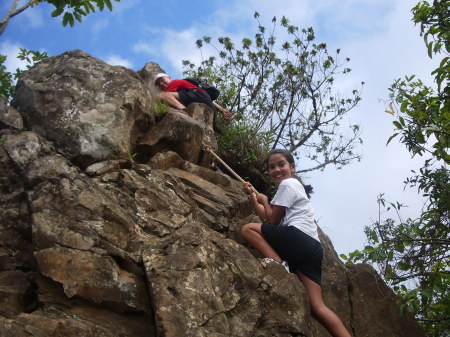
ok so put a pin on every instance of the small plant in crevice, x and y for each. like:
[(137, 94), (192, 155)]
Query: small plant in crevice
[(160, 109), (131, 156)]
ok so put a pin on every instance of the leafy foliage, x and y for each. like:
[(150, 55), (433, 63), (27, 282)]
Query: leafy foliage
[(7, 79), (422, 118), (413, 255), (245, 150), (72, 10), (282, 92)]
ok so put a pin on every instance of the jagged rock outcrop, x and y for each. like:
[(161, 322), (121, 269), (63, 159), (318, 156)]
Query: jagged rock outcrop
[(112, 223), (91, 111)]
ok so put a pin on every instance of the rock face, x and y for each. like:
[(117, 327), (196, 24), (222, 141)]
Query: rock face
[(112, 223), (91, 111)]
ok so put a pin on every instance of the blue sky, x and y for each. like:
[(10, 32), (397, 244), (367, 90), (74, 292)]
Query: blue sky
[(377, 35)]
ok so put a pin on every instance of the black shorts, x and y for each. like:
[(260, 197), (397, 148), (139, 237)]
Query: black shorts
[(195, 96), (303, 253)]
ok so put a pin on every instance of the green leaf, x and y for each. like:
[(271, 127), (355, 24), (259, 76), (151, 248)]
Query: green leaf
[(89, 6), (404, 105), (109, 4), (388, 272), (71, 19), (374, 236), (78, 16), (430, 49), (420, 138), (444, 61), (57, 12), (397, 124), (66, 18), (101, 4), (80, 11)]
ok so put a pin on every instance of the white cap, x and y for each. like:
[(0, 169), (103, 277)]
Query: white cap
[(158, 76)]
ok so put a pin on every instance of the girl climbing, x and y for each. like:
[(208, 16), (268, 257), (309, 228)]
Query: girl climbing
[(289, 233)]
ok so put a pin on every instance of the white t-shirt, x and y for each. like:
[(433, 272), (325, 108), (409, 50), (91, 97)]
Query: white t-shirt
[(299, 213)]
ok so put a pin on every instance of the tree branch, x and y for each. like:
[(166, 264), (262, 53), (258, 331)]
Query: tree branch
[(13, 12)]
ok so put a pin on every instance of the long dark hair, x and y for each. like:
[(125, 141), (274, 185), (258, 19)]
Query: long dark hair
[(290, 158)]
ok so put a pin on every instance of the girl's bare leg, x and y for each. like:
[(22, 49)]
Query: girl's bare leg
[(320, 311), (251, 232)]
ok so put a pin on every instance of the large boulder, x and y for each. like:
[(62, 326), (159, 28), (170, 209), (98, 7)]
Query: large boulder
[(91, 111)]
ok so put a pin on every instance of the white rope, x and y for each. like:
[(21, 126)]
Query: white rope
[(208, 149)]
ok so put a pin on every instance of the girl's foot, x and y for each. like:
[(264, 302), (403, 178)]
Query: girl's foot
[(283, 263)]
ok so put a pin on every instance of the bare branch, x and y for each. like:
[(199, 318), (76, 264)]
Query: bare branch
[(13, 12)]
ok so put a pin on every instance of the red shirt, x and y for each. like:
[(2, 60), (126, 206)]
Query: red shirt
[(177, 85)]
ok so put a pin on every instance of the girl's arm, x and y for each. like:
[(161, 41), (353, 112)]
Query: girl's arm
[(260, 212), (273, 213), (266, 212), (258, 207)]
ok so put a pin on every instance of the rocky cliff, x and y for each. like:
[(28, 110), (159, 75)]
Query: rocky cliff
[(112, 224)]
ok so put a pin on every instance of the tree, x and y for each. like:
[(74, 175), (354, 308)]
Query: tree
[(283, 93), (71, 10), (413, 255)]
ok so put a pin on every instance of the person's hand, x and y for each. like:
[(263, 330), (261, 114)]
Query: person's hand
[(262, 199), (227, 114), (248, 188)]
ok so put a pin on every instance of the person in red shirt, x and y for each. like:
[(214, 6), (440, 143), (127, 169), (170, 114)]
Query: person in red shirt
[(180, 93)]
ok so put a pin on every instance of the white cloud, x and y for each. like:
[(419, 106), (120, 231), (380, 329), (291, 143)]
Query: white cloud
[(100, 25), (170, 47), (233, 13), (146, 48), (34, 17), (337, 18), (11, 50), (116, 60), (178, 46), (120, 8)]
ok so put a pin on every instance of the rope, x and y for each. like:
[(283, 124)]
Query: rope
[(208, 149)]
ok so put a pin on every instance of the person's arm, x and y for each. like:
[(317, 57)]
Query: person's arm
[(226, 114), (273, 213), (266, 212), (259, 208)]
